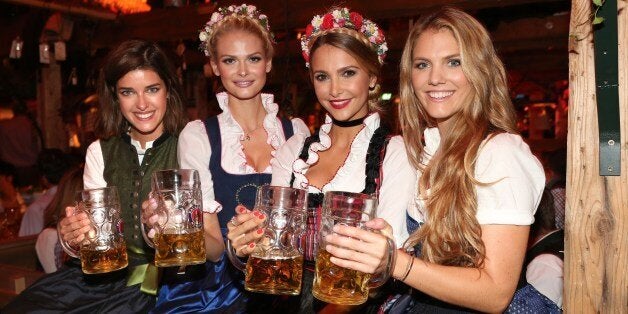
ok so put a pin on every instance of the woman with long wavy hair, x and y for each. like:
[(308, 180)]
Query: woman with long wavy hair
[(479, 184)]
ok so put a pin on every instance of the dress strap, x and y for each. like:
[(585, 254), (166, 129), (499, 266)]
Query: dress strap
[(213, 132), (374, 159), (305, 151), (286, 125)]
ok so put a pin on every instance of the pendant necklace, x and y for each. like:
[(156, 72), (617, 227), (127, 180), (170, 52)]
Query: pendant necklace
[(247, 135)]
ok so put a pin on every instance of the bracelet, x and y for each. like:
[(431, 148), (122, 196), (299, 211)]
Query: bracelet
[(410, 264)]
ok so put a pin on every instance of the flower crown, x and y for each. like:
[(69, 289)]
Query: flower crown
[(343, 18), (245, 10)]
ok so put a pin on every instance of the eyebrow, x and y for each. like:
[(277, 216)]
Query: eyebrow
[(455, 55), (131, 88)]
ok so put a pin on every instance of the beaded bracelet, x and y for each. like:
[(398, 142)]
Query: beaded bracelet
[(410, 264)]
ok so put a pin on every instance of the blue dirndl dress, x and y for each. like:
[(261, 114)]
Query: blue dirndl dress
[(217, 287)]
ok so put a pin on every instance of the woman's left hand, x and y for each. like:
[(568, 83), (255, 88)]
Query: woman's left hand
[(359, 249)]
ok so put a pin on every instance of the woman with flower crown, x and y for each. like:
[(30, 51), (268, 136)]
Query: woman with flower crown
[(232, 152), (479, 184), (352, 151)]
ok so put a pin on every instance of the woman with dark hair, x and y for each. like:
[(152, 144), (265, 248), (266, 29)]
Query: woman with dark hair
[(141, 115), (479, 185)]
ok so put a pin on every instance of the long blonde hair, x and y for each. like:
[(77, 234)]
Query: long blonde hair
[(451, 234)]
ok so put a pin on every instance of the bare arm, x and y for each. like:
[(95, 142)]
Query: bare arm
[(487, 289)]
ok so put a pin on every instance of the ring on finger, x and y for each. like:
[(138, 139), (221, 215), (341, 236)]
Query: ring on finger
[(233, 221)]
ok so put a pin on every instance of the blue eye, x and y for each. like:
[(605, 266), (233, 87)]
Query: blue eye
[(420, 65), (454, 63), (255, 59), (125, 92), (153, 89)]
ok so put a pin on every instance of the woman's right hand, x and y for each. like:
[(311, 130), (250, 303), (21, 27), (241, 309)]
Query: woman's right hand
[(245, 230), (73, 227)]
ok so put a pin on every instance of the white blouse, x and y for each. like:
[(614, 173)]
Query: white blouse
[(93, 177), (397, 173), (514, 175), (194, 150)]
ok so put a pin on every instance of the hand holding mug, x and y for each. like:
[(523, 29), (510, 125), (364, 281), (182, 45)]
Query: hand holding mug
[(360, 249), (73, 227), (245, 229)]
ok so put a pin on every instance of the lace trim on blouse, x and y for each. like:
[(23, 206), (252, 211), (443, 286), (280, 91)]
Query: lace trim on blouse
[(271, 125)]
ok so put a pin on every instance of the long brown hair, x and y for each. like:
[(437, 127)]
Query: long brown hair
[(451, 234), (70, 183), (128, 56)]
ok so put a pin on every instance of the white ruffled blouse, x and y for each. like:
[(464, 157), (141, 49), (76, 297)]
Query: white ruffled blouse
[(398, 175), (194, 150)]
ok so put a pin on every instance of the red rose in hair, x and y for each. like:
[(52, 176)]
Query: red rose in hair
[(380, 37), (308, 30), (328, 21), (306, 57), (356, 19)]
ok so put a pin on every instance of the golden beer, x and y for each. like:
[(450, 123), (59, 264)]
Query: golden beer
[(338, 285), (279, 275), (178, 249), (103, 261)]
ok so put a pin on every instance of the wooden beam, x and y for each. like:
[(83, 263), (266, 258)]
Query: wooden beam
[(596, 220), (69, 8)]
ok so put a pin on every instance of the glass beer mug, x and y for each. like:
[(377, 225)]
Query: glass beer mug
[(103, 249), (179, 238), (276, 264), (332, 283)]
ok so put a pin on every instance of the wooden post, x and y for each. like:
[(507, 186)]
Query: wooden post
[(596, 237), (50, 101)]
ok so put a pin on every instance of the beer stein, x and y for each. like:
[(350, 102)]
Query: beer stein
[(335, 284), (179, 238), (276, 264), (103, 249)]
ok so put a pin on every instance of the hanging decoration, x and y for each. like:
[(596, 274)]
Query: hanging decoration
[(125, 6), (44, 53), (16, 48)]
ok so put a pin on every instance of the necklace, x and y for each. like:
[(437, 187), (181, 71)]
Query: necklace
[(348, 124), (247, 134)]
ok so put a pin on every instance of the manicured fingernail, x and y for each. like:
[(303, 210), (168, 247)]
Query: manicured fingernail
[(251, 245), (260, 231), (241, 209), (261, 216)]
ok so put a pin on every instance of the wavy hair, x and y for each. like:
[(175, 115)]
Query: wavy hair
[(451, 234), (128, 56)]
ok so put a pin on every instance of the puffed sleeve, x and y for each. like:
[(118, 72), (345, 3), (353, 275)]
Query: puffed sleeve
[(513, 181), (397, 188), (194, 152), (284, 157), (94, 167)]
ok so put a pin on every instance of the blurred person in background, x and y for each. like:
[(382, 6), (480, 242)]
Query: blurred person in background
[(21, 143), (49, 250), (52, 164)]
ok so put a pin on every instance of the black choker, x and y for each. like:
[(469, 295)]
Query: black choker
[(348, 124)]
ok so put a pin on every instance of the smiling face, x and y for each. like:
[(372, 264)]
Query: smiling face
[(241, 63), (341, 83), (142, 95), (437, 77)]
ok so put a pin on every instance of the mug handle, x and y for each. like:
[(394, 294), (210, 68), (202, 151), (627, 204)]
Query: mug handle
[(64, 244), (385, 275), (235, 260)]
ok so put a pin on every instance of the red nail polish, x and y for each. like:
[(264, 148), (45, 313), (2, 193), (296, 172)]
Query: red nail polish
[(261, 216), (251, 245), (260, 231)]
